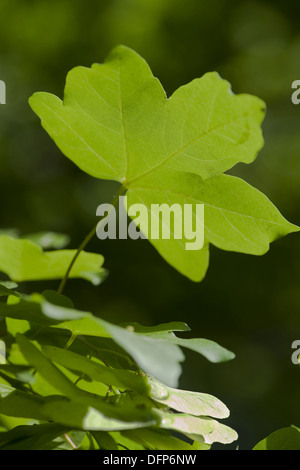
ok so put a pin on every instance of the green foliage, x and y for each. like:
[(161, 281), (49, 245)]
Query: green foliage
[(95, 382), (49, 240), (284, 439), (6, 289), (108, 384), (156, 352), (73, 379), (115, 123), (24, 260)]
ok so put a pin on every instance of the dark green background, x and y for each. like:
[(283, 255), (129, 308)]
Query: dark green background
[(248, 304)]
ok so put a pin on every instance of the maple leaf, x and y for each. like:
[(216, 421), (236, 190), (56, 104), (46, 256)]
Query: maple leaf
[(116, 123)]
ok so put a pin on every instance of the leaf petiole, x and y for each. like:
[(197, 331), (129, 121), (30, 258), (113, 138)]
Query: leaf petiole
[(87, 239)]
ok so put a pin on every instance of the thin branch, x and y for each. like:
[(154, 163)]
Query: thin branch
[(88, 238)]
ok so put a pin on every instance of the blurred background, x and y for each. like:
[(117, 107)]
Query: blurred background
[(249, 304)]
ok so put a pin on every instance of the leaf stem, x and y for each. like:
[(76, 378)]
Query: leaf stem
[(69, 440), (70, 341), (87, 239)]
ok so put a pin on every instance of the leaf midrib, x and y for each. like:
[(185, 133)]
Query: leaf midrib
[(177, 193), (163, 162)]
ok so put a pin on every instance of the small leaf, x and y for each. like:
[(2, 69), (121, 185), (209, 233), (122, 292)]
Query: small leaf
[(284, 439), (26, 309), (163, 328), (158, 439), (119, 378), (6, 289), (46, 369), (35, 437), (22, 260), (10, 232), (21, 373), (199, 404), (105, 440), (125, 442), (156, 357), (204, 429), (49, 240), (20, 404), (209, 349)]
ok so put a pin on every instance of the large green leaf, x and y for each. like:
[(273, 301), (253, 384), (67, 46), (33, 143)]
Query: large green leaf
[(23, 260), (238, 217), (116, 123)]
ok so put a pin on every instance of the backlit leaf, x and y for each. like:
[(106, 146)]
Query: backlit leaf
[(115, 122), (284, 439), (199, 428), (23, 260), (199, 404)]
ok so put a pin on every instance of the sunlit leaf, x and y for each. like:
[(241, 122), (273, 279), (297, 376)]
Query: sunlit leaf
[(284, 439), (209, 349), (23, 260), (115, 122), (199, 404), (206, 430)]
